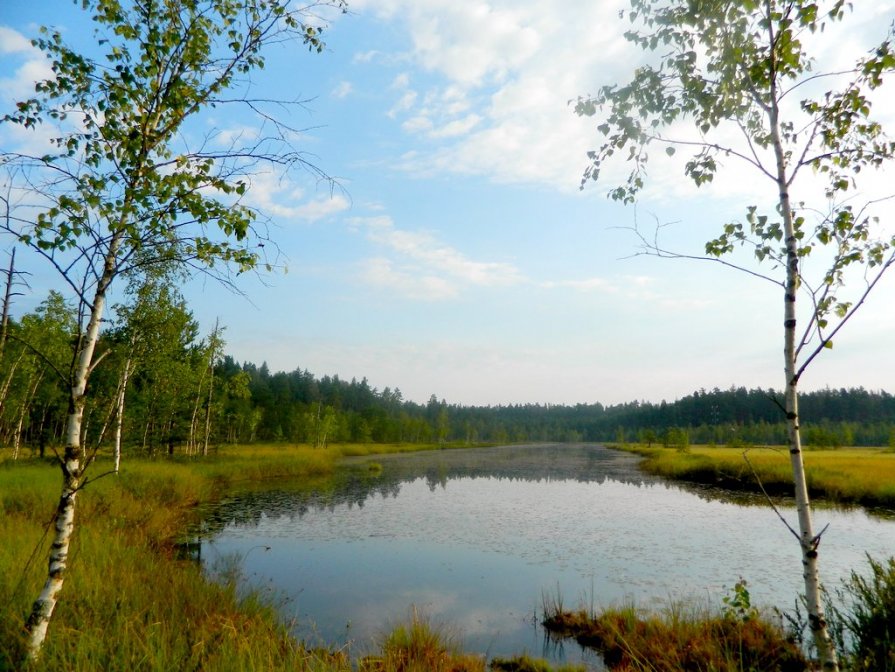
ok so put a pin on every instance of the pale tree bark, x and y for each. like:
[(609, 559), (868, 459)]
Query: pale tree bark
[(4, 391), (193, 442), (72, 465), (208, 407), (7, 298), (107, 420), (4, 325), (808, 540), (119, 417), (23, 411), (213, 347)]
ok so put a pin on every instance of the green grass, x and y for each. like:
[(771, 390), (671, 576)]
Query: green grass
[(128, 602), (420, 647), (525, 663), (682, 637), (848, 475)]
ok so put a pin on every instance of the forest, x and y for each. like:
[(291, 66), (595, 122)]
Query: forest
[(176, 391)]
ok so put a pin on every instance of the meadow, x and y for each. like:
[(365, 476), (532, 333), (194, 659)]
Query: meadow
[(863, 476)]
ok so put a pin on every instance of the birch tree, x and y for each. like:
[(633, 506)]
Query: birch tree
[(123, 188), (154, 331), (734, 82)]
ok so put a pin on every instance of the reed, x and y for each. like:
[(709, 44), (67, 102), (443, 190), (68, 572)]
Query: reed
[(682, 637), (420, 647), (848, 475)]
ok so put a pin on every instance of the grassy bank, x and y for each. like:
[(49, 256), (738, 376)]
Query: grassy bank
[(848, 475), (129, 603), (683, 637)]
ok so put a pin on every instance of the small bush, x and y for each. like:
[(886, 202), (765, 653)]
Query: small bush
[(683, 638), (868, 618), (528, 664), (419, 647)]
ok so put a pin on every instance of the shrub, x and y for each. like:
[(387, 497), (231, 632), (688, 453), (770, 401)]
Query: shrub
[(868, 618)]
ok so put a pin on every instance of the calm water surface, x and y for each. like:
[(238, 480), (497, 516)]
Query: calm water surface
[(474, 538)]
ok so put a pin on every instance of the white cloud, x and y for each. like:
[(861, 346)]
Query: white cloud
[(513, 66), (382, 272), (418, 124), (322, 207), (279, 197), (506, 71), (402, 81), (405, 102), (12, 41), (457, 127), (342, 90), (365, 56), (234, 135), (34, 67), (423, 267)]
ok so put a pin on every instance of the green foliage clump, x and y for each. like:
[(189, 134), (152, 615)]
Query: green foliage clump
[(867, 617), (420, 647), (526, 663), (683, 638)]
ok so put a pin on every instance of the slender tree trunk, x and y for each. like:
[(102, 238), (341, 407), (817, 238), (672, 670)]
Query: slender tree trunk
[(41, 435), (119, 418), (23, 411), (4, 391), (110, 415), (807, 539), (72, 467), (193, 443), (208, 408), (7, 298), (213, 348)]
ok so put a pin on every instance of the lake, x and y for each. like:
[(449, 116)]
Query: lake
[(474, 539)]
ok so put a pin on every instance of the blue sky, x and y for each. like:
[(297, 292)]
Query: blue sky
[(459, 258)]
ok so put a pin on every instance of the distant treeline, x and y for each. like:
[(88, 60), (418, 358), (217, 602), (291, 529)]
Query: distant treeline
[(176, 391), (297, 406)]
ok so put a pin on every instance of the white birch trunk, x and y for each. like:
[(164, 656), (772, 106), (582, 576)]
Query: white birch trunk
[(119, 418), (6, 384), (23, 411), (72, 467), (193, 442), (208, 409), (807, 539)]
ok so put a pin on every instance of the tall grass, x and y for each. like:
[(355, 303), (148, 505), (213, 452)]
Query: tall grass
[(849, 475), (682, 637), (420, 647), (865, 616)]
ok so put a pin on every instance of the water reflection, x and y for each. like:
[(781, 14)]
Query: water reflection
[(583, 463), (475, 537)]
